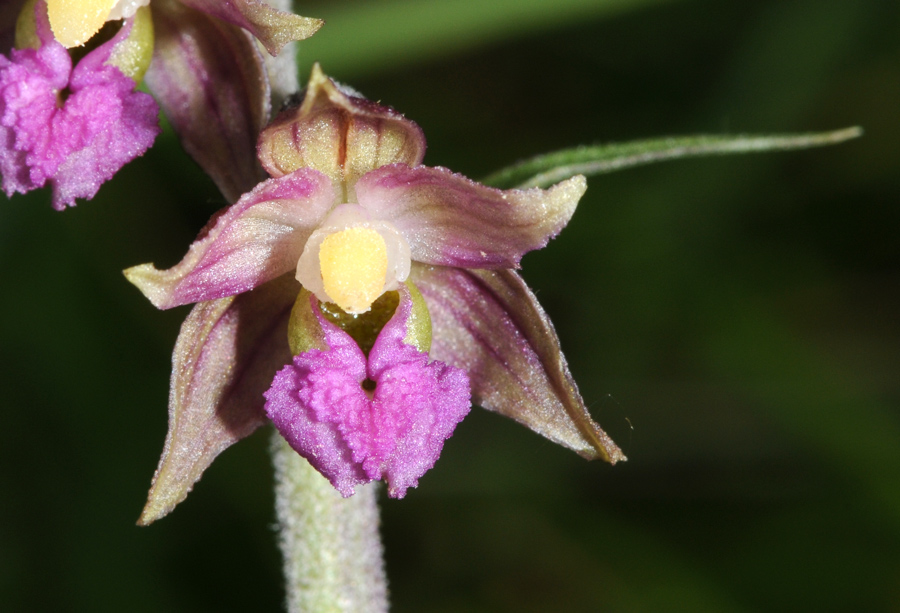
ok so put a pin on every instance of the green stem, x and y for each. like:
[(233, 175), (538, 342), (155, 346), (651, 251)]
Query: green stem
[(331, 545)]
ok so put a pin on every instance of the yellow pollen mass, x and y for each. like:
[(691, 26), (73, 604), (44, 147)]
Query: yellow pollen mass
[(74, 21), (353, 263)]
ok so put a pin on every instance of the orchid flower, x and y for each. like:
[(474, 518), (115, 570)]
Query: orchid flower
[(74, 127), (407, 309)]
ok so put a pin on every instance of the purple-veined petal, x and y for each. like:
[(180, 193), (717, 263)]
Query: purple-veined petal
[(257, 239), (224, 359), (490, 324), (210, 80), (272, 27), (453, 221), (320, 407)]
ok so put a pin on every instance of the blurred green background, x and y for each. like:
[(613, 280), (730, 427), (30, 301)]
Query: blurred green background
[(733, 324)]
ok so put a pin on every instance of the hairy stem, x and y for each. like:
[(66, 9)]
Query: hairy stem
[(331, 545)]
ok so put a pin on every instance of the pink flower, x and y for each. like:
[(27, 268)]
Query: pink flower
[(74, 127), (409, 304), (71, 128)]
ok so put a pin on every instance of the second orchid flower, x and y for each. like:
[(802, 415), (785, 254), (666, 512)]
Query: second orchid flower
[(73, 123)]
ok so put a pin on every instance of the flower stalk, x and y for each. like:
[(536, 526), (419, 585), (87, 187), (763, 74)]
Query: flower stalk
[(331, 545)]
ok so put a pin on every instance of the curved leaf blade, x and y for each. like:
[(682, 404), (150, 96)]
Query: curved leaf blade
[(551, 168)]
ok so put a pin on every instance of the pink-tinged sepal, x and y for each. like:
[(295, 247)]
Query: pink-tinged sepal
[(340, 134), (359, 418), (450, 220), (272, 27), (210, 79), (255, 240), (490, 324), (224, 359), (73, 129)]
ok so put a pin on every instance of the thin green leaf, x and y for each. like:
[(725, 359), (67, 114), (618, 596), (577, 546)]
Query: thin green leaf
[(545, 170)]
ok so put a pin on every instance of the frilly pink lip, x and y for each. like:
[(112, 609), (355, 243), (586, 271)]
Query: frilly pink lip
[(78, 144), (352, 436)]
